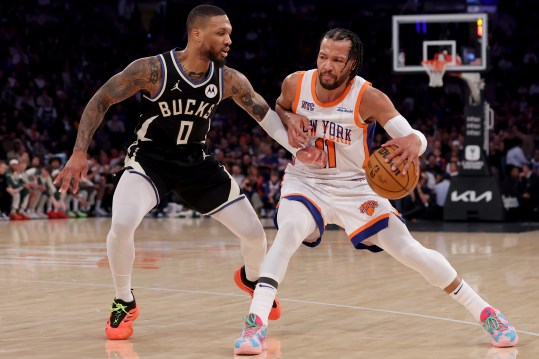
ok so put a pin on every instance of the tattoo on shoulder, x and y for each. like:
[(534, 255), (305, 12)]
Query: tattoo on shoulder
[(140, 75), (154, 70)]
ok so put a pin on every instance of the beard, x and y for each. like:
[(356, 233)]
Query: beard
[(215, 57), (331, 86)]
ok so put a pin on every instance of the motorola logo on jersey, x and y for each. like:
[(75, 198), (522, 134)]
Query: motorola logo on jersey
[(211, 91)]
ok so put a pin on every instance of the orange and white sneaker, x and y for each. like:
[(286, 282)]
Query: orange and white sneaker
[(253, 337), (120, 323), (502, 332), (247, 286)]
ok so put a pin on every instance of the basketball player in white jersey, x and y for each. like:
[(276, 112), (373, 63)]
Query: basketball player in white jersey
[(181, 90), (335, 109)]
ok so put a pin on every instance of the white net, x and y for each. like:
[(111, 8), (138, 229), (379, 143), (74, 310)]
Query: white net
[(436, 70)]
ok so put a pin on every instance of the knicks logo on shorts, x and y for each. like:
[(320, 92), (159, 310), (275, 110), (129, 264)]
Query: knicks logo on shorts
[(368, 207)]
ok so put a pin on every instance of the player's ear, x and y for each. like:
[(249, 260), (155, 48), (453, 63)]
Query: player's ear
[(196, 33), (354, 66)]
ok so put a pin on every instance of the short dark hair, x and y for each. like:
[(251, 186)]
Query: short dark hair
[(356, 50), (201, 12)]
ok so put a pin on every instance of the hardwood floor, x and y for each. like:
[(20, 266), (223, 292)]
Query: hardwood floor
[(337, 302)]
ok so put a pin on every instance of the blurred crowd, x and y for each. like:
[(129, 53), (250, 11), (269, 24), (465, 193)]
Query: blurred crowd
[(55, 54)]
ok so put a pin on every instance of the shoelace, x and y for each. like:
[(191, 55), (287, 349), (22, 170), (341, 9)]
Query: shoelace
[(493, 323), (250, 325), (117, 311)]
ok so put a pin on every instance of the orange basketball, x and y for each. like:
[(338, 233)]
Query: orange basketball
[(386, 182)]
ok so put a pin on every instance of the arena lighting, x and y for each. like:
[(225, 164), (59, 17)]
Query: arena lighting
[(479, 27)]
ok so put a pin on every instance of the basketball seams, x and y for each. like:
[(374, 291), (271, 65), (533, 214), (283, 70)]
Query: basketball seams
[(385, 168), (398, 187)]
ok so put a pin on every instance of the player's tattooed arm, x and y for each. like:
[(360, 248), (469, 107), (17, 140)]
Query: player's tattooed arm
[(240, 89), (141, 75)]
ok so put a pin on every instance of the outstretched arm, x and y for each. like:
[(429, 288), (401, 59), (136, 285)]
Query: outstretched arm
[(375, 105), (141, 75), (296, 124), (240, 89)]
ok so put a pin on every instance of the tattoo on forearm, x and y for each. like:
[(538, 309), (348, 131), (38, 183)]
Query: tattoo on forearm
[(91, 118), (241, 89), (139, 75)]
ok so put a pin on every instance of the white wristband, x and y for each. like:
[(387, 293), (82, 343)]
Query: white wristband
[(423, 140), (398, 126), (272, 124)]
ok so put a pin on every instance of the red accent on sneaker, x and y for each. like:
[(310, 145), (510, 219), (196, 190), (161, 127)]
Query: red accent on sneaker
[(275, 312), (125, 329)]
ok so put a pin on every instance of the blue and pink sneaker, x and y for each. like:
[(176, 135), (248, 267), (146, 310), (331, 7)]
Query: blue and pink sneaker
[(503, 333), (253, 337)]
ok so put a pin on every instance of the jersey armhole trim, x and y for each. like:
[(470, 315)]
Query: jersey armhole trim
[(163, 80), (357, 117), (298, 92)]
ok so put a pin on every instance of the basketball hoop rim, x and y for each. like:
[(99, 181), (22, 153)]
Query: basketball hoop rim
[(435, 65)]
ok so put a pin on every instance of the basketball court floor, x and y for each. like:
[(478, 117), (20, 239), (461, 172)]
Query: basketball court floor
[(337, 302)]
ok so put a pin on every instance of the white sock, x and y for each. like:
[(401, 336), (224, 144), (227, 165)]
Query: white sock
[(122, 284), (465, 295), (263, 301)]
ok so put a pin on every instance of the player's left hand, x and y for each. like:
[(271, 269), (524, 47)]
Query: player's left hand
[(408, 150), (313, 156)]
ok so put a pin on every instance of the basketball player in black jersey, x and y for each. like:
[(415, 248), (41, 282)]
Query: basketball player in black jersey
[(181, 90)]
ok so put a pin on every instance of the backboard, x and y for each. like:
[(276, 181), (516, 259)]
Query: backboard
[(461, 39)]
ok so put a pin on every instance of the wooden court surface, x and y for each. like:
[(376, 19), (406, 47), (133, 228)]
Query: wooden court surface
[(337, 302)]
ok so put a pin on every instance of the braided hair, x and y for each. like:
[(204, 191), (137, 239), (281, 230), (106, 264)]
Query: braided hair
[(356, 50)]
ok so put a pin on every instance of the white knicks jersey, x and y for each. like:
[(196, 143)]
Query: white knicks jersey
[(337, 128)]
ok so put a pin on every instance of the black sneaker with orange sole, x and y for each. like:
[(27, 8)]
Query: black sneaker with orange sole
[(120, 323), (248, 286)]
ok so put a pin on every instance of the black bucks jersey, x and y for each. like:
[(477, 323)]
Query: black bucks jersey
[(171, 151), (181, 111)]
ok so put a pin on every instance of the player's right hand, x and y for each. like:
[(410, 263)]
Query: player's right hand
[(76, 168), (298, 130), (313, 156)]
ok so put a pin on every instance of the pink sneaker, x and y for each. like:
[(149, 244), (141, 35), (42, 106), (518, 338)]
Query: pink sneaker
[(253, 337), (503, 333)]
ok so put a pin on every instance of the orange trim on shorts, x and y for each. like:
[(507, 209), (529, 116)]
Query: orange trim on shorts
[(327, 104), (368, 224), (298, 92)]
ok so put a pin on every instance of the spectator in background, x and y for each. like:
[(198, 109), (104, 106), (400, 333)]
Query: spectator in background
[(16, 188), (272, 193), (251, 188), (283, 161), (456, 151), (237, 174), (5, 198), (420, 203), (511, 193), (515, 156), (47, 113), (17, 150), (535, 161), (267, 160), (440, 192), (56, 207), (117, 131), (529, 193)]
